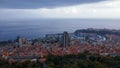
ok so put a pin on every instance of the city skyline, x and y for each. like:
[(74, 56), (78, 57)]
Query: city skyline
[(53, 33)]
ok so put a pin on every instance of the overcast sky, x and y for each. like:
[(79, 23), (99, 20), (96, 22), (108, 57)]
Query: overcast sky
[(36, 9)]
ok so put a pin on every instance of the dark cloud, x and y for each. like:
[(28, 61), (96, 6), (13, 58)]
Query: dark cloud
[(21, 4)]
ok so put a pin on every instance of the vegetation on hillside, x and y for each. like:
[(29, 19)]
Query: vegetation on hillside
[(82, 60)]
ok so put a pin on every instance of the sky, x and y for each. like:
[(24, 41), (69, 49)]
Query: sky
[(37, 9), (32, 17)]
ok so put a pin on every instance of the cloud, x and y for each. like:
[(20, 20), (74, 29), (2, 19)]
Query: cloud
[(30, 4), (106, 9)]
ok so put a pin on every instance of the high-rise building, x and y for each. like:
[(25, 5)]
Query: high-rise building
[(20, 40), (65, 39)]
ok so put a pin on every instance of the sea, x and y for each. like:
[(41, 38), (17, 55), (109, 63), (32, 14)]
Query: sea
[(35, 28)]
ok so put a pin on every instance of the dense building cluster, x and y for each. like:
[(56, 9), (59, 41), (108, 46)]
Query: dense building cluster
[(62, 44)]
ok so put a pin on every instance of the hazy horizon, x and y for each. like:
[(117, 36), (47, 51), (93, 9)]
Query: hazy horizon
[(40, 27)]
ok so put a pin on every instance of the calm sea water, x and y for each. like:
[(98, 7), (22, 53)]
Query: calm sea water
[(39, 27)]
